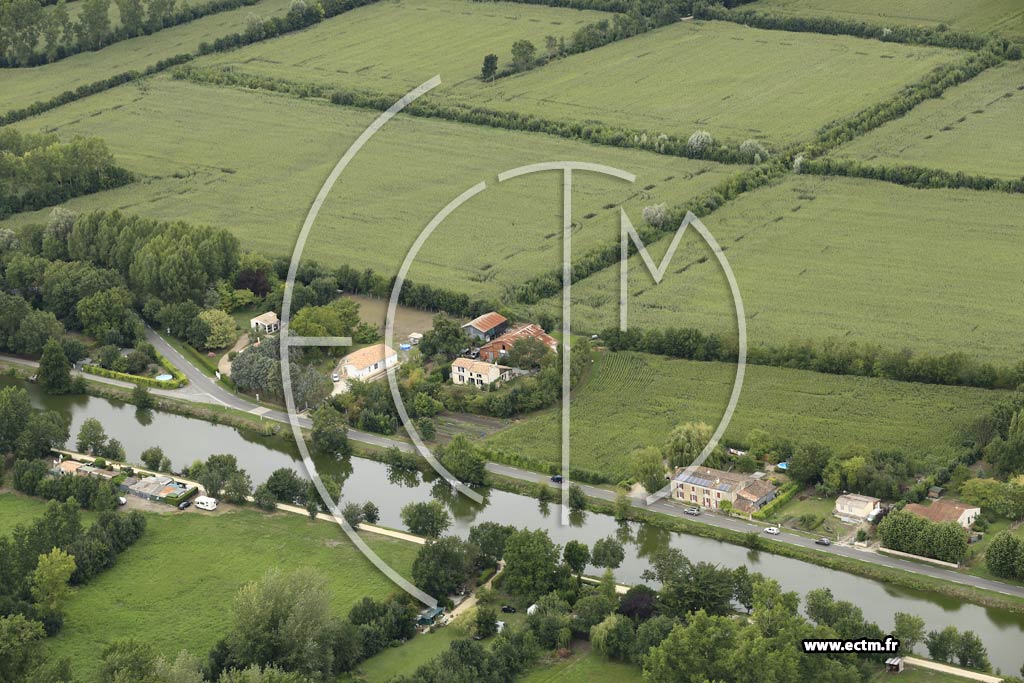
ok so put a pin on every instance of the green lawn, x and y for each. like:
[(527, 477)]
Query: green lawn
[(856, 260), (16, 509), (395, 46), (252, 162), (405, 659), (974, 128), (175, 587), (1002, 16), (733, 81), (583, 667), (22, 87), (812, 504), (634, 400)]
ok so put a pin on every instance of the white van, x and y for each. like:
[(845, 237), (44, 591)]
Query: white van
[(206, 503)]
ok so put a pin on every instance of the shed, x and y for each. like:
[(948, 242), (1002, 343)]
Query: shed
[(532, 609), (428, 616), (935, 491), (894, 665)]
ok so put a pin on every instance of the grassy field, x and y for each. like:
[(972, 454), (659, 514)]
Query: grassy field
[(855, 260), (175, 587), (634, 400), (734, 81), (405, 659), (16, 509), (974, 128), (583, 667), (915, 675), (1001, 16), (252, 162), (395, 46), (22, 87)]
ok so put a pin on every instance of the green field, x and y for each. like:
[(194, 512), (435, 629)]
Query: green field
[(855, 260), (21, 87), (634, 400), (253, 161), (406, 658), (733, 81), (395, 46), (16, 509), (1001, 16), (174, 588), (583, 667), (974, 128)]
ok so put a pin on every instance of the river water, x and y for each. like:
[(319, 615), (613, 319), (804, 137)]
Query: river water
[(185, 440)]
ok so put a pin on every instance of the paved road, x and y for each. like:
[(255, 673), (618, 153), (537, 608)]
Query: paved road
[(204, 389), (676, 509)]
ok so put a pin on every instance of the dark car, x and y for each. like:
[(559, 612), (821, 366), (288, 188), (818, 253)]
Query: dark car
[(184, 504), (508, 609), (823, 541), (557, 478)]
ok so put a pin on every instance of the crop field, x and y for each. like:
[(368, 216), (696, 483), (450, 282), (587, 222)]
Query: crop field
[(856, 260), (394, 46), (1005, 17), (175, 587), (21, 87), (252, 162), (782, 86), (974, 127), (634, 400)]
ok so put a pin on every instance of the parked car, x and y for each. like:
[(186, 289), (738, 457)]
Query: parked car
[(185, 504), (508, 609), (772, 530), (335, 377), (121, 500), (693, 511), (557, 478), (823, 541)]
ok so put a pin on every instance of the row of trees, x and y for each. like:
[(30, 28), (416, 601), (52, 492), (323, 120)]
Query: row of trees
[(912, 176), (32, 33), (830, 356), (938, 36), (903, 531), (37, 170), (590, 131)]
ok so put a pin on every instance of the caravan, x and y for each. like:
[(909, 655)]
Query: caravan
[(206, 503)]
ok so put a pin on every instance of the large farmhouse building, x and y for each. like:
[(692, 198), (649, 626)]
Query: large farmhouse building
[(486, 327), (496, 349), (367, 363), (709, 488)]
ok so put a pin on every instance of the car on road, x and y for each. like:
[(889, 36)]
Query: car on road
[(185, 504), (508, 609), (823, 541), (557, 478), (335, 377), (772, 530), (692, 511)]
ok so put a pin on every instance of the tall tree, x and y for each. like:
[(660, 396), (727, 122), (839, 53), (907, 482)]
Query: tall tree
[(50, 579), (490, 67), (54, 369)]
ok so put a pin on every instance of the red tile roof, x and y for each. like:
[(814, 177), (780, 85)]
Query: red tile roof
[(940, 510)]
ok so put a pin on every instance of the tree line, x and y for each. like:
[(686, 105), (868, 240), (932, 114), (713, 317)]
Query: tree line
[(37, 170), (702, 146), (936, 36), (906, 532), (33, 34), (911, 176), (932, 85), (831, 356), (258, 30), (39, 562)]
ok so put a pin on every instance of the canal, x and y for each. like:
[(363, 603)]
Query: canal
[(185, 440)]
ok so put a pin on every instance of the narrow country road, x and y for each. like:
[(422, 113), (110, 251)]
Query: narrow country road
[(204, 389)]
